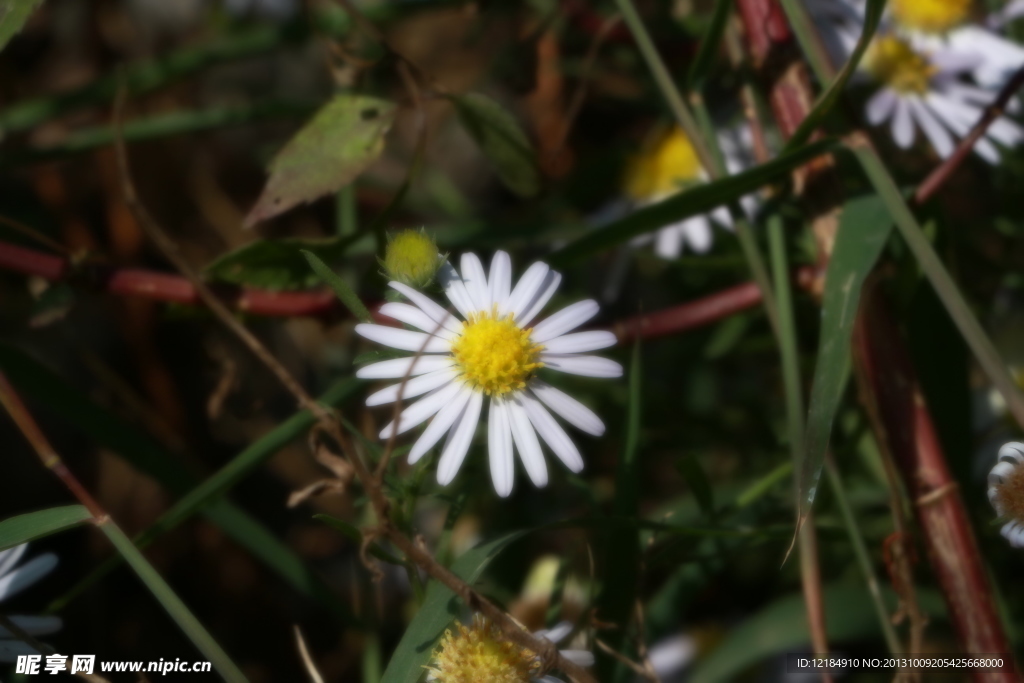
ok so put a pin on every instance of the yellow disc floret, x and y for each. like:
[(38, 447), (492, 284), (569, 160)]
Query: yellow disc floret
[(667, 163), (480, 654), (412, 258), (893, 62), (931, 16), (494, 354)]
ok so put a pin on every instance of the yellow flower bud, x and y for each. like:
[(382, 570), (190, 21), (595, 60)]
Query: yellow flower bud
[(412, 258)]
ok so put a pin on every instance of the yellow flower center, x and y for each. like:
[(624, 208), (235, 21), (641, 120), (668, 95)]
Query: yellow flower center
[(666, 164), (494, 354), (480, 653), (893, 62), (931, 16)]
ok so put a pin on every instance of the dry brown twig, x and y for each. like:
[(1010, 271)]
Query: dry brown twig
[(329, 421)]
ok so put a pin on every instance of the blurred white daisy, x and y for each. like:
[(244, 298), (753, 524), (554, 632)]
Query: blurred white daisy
[(480, 652), (666, 164), (1006, 491), (924, 89), (493, 353), (12, 581)]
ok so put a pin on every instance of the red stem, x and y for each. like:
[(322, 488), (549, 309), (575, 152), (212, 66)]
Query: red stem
[(903, 421)]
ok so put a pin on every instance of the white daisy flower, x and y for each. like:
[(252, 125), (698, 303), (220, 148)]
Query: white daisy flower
[(480, 652), (924, 89), (14, 580), (667, 164), (492, 353), (1006, 491)]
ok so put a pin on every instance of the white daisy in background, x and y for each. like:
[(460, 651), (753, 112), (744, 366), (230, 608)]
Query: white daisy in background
[(480, 652), (922, 59), (12, 581), (493, 353), (1006, 491), (666, 164)]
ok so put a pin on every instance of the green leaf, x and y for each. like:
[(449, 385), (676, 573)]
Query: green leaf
[(697, 480), (440, 607), (276, 264), (828, 99), (30, 526), (501, 140), (13, 15), (345, 294), (782, 627), (341, 140), (690, 202), (864, 227), (622, 569), (710, 41), (195, 631)]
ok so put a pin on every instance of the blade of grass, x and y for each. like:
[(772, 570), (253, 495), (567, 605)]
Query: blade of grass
[(32, 525), (982, 347), (709, 44), (345, 293), (810, 43), (195, 631)]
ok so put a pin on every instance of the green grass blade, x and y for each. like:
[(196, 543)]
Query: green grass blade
[(345, 294), (691, 202), (13, 15), (32, 525), (788, 349), (810, 43), (709, 45), (863, 230), (622, 569), (982, 347), (195, 631), (828, 99), (440, 608)]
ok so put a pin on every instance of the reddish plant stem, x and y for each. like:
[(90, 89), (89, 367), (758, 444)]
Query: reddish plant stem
[(906, 429)]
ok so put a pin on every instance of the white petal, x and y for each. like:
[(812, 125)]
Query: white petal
[(668, 243), (1010, 452), (475, 279), (500, 278), (526, 289), (26, 575), (579, 657), (455, 289), (1000, 472), (416, 386), (903, 125), (880, 106), (527, 444), (442, 422), (10, 557), (1005, 132), (940, 138), (34, 626), (556, 633), (697, 231), (413, 315), (565, 320), (406, 340), (400, 367), (499, 448), (578, 342), (459, 440), (433, 309), (422, 409), (568, 408), (550, 285), (588, 366), (553, 435)]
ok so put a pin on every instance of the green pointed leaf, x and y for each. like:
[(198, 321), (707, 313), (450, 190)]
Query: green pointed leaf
[(276, 264), (345, 294), (341, 140), (52, 305), (689, 202), (13, 15), (864, 227), (30, 526), (440, 607), (501, 140)]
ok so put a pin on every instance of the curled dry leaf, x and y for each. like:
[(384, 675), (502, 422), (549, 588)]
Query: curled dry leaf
[(342, 139)]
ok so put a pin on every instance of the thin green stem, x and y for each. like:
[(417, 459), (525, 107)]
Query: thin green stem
[(983, 348), (346, 214), (810, 42), (860, 551), (665, 83)]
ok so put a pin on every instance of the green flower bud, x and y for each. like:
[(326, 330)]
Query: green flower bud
[(412, 258)]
